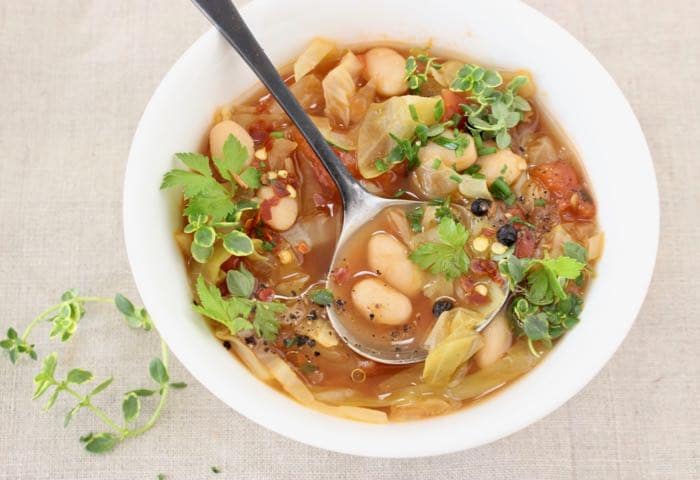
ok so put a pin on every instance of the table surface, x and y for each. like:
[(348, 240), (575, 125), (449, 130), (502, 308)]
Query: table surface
[(74, 79)]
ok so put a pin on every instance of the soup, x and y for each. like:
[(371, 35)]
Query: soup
[(509, 218)]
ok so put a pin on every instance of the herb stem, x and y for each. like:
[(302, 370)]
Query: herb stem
[(161, 403), (97, 411), (37, 319)]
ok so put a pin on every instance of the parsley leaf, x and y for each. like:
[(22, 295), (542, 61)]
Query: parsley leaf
[(265, 319), (415, 219), (447, 258), (322, 296), (240, 282), (234, 155)]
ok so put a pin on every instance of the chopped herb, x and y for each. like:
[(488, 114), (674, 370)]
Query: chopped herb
[(517, 219), (501, 191), (540, 202), (472, 169), (308, 367), (414, 113), (448, 257), (415, 78), (322, 296), (399, 193), (268, 246), (415, 219), (381, 165), (277, 134), (456, 178), (216, 469), (436, 163), (439, 110)]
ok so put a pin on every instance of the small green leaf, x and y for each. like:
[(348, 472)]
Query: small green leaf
[(322, 296), (575, 251), (178, 385), (216, 469), (101, 386), (240, 282), (142, 392), (204, 236), (100, 443), (158, 371), (11, 333), (69, 295), (131, 406), (71, 413), (52, 398), (78, 376), (199, 253), (415, 219), (45, 377), (536, 327), (124, 305), (238, 243)]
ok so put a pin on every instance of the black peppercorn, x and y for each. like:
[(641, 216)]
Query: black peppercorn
[(480, 207), (442, 305), (507, 234)]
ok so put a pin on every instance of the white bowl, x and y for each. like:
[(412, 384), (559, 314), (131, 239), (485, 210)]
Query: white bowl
[(574, 88)]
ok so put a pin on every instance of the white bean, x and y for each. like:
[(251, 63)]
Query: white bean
[(283, 214), (220, 133), (389, 257), (379, 302), (447, 157), (497, 338), (386, 67), (503, 163)]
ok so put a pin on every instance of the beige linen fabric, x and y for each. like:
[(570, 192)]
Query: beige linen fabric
[(74, 79)]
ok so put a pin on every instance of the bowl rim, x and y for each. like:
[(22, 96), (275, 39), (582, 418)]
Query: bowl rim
[(359, 432)]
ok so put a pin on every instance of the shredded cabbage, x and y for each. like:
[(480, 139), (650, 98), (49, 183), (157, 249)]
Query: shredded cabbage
[(451, 343), (471, 187), (340, 140), (517, 361), (339, 88), (390, 116), (298, 390), (318, 49)]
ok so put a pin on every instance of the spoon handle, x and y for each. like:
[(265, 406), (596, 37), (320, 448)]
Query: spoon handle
[(225, 17)]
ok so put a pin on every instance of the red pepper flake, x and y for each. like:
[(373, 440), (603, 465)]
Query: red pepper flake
[(259, 131), (265, 294), (280, 188), (488, 232), (303, 248), (472, 297), (232, 263), (340, 275), (486, 268), (266, 208)]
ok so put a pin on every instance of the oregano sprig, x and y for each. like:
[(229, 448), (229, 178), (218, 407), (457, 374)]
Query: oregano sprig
[(65, 317)]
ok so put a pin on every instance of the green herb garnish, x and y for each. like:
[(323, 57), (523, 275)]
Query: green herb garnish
[(415, 219), (65, 318), (322, 296), (238, 313), (541, 308), (540, 202), (415, 78), (501, 191), (448, 257), (277, 134)]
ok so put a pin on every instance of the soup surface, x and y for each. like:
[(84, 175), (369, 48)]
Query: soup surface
[(509, 218)]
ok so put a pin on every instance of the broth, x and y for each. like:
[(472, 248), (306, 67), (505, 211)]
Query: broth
[(294, 348)]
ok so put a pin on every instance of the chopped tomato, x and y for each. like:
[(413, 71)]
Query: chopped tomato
[(265, 294), (525, 244), (452, 102), (259, 130), (340, 275), (563, 184), (266, 208), (472, 297), (306, 153), (349, 160), (486, 268), (231, 263)]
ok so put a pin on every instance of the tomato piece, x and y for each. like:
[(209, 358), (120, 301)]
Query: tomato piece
[(265, 294), (564, 185), (486, 268), (525, 244), (452, 103), (349, 160), (306, 153)]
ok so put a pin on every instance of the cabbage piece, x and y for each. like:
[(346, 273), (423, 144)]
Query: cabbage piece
[(447, 73), (341, 140), (451, 343), (517, 361), (246, 355), (318, 49), (471, 187), (339, 88), (297, 389), (280, 151), (390, 116), (434, 182), (423, 407), (309, 93)]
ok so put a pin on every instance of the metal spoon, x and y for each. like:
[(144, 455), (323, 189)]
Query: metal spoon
[(359, 206)]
